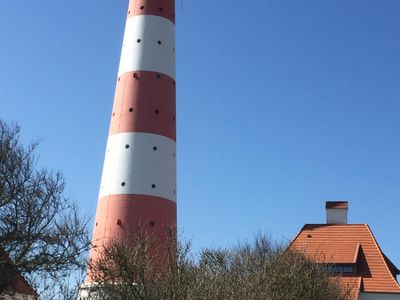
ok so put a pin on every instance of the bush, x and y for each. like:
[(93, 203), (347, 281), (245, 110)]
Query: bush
[(134, 269)]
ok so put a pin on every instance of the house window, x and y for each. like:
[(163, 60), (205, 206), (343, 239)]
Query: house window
[(341, 269)]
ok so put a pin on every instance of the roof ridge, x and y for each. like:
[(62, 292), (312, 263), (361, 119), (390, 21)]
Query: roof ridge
[(381, 256), (297, 235), (391, 265)]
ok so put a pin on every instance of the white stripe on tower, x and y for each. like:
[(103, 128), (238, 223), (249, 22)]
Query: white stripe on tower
[(139, 163), (138, 185), (149, 45)]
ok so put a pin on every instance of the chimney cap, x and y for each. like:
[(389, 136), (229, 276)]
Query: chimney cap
[(337, 205)]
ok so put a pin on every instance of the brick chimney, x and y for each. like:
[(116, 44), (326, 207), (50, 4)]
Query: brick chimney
[(336, 212)]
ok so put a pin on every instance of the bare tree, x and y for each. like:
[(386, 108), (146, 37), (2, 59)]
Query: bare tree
[(139, 268), (40, 228), (264, 270), (259, 270)]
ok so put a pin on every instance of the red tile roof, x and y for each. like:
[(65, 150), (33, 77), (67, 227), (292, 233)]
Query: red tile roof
[(328, 252), (349, 244), (18, 283), (351, 287)]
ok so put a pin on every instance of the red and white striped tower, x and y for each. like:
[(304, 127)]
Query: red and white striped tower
[(138, 185)]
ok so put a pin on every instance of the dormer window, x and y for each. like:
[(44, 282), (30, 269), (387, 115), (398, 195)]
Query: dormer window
[(341, 269)]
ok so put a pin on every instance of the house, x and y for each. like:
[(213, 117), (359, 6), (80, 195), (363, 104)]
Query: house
[(352, 251), (13, 285)]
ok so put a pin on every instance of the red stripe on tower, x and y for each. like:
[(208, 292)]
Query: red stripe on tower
[(161, 8), (144, 102), (138, 185)]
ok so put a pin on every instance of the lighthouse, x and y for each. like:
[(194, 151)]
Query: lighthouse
[(138, 184)]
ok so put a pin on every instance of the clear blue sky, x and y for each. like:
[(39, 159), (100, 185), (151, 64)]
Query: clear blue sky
[(281, 106)]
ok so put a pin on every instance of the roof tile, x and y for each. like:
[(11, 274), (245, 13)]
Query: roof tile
[(338, 244)]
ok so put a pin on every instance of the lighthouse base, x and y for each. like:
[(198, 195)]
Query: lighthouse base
[(87, 291), (95, 291)]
